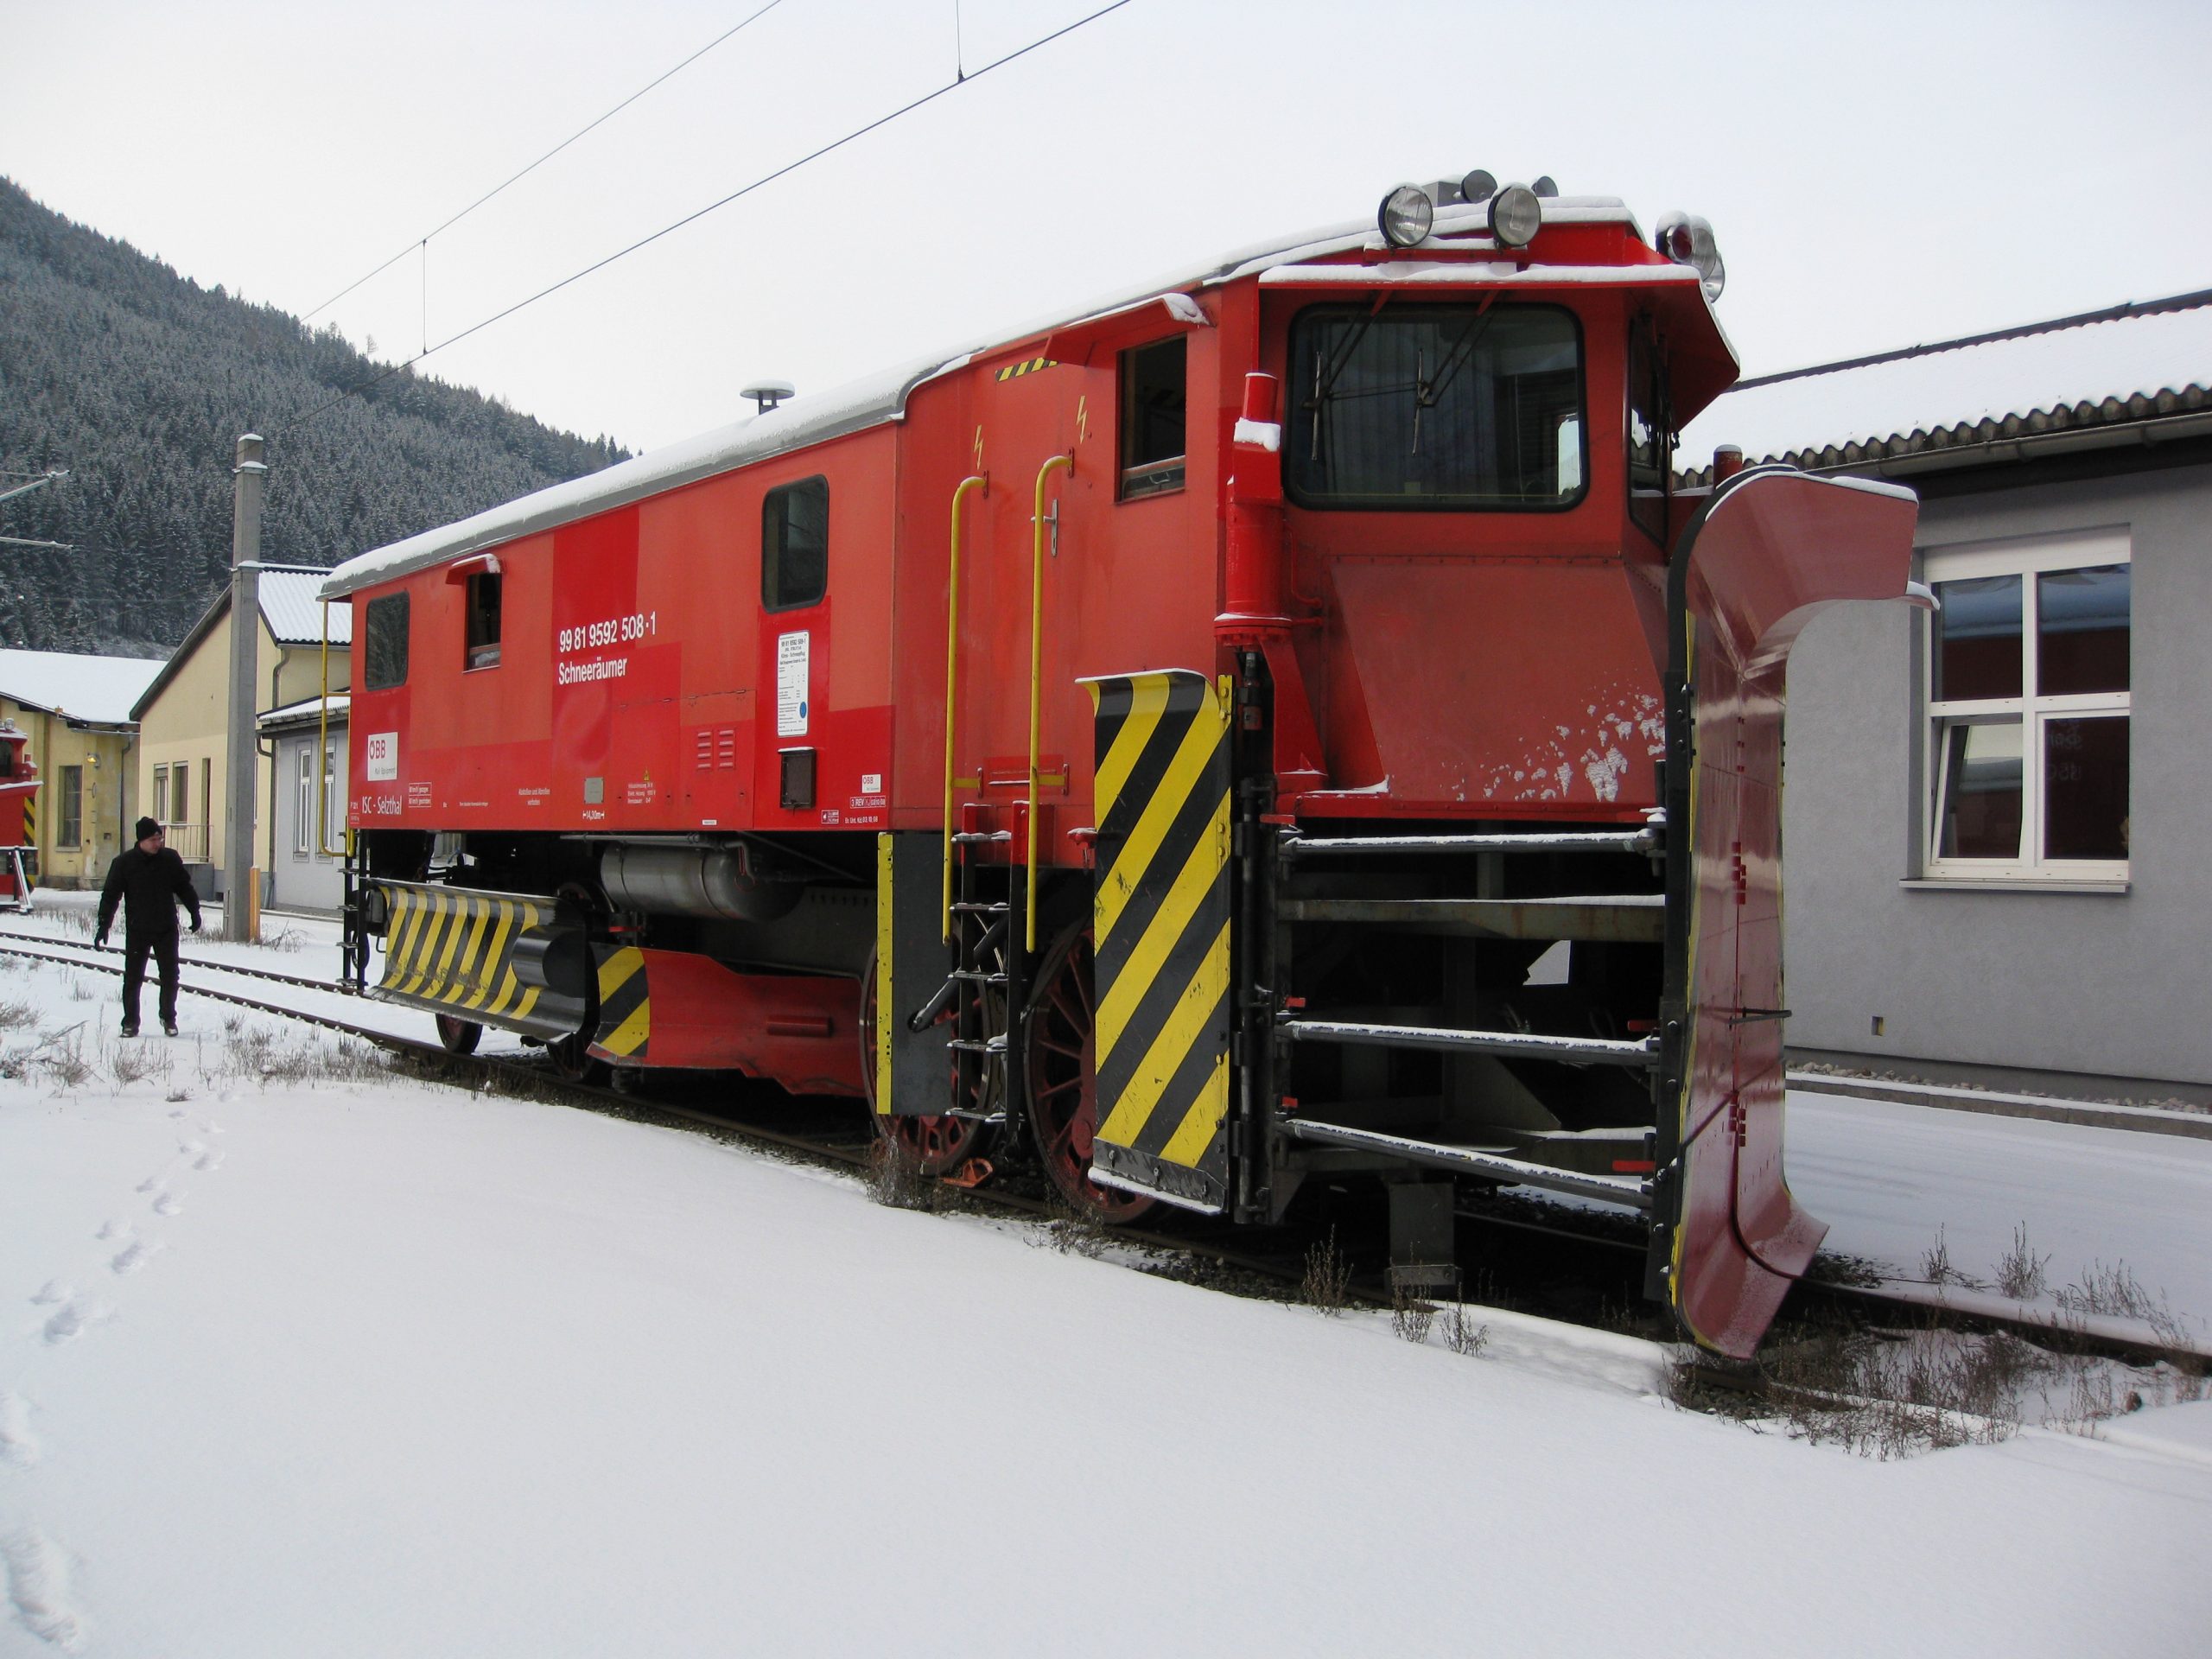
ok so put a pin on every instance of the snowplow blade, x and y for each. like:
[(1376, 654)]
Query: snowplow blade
[(1770, 549), (500, 959)]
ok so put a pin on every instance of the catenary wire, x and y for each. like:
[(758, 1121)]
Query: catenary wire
[(422, 241), (930, 97)]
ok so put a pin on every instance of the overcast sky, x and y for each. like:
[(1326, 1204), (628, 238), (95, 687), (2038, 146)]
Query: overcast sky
[(1877, 174)]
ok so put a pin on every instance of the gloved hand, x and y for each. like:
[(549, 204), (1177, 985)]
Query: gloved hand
[(99, 940), (195, 924)]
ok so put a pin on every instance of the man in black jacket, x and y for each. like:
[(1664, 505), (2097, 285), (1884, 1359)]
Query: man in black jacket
[(147, 879)]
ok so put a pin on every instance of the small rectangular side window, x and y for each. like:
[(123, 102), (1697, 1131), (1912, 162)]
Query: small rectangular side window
[(483, 639), (383, 656), (1153, 397), (795, 545)]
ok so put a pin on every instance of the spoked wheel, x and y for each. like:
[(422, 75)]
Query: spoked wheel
[(1062, 1065), (460, 1036), (938, 1144)]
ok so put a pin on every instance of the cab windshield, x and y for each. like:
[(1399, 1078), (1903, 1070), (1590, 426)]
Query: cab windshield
[(1442, 407)]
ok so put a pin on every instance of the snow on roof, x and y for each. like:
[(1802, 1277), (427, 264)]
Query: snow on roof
[(882, 397), (97, 688), (306, 711), (2132, 361), (292, 607)]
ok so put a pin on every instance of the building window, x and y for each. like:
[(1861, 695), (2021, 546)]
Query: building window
[(303, 829), (2028, 705), (385, 656), (333, 807), (483, 643), (73, 808), (1153, 397), (160, 794), (795, 545)]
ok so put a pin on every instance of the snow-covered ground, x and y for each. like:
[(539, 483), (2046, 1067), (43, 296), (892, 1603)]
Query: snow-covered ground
[(353, 1366)]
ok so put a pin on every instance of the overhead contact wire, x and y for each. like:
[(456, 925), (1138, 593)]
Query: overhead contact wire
[(692, 218), (421, 241)]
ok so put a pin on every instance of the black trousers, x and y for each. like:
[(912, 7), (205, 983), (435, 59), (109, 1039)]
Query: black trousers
[(136, 946)]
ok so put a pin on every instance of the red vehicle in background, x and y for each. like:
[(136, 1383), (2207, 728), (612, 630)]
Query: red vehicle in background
[(1284, 728)]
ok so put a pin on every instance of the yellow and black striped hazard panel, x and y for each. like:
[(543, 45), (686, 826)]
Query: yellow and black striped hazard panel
[(31, 820), (625, 1009), (479, 956), (1015, 371), (1159, 917)]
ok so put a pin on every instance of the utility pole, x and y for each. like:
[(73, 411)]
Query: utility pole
[(240, 909)]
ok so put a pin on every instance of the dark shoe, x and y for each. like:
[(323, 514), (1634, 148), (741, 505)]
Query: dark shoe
[(169, 1027), (129, 1029)]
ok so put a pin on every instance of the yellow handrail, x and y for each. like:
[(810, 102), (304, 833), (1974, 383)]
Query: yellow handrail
[(982, 481), (1036, 676)]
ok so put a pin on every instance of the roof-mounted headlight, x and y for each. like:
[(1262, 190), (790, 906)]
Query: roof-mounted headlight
[(1687, 240), (1406, 216), (1515, 216)]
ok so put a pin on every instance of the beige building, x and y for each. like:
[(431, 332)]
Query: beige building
[(76, 710), (184, 714)]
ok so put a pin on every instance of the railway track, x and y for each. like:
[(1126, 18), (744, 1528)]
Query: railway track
[(1282, 1269)]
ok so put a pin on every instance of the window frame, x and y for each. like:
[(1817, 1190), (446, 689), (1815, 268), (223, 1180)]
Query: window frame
[(1141, 480), (480, 653), (770, 557), (1299, 496), (303, 799), (370, 664), (334, 804), (2032, 711), (69, 820)]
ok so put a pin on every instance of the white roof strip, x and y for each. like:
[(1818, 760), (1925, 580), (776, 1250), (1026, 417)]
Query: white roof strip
[(1964, 385), (800, 422), (881, 398)]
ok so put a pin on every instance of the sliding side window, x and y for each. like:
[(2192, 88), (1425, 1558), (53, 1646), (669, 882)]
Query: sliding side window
[(1153, 382), (795, 545)]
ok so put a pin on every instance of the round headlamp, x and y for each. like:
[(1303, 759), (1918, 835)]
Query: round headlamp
[(1478, 186), (1515, 216), (1687, 240), (1406, 216)]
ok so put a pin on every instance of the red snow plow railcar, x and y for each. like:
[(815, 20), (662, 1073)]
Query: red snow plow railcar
[(1282, 728)]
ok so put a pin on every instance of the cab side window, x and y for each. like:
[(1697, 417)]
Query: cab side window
[(1650, 440), (1153, 396), (483, 639), (795, 545), (383, 656)]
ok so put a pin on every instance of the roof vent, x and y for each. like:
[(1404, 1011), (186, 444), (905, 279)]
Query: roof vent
[(768, 393)]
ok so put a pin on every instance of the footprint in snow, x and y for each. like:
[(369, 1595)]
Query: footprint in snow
[(38, 1587), (209, 1161), (52, 1291), (18, 1444), (167, 1204), (190, 1149), (151, 1184), (135, 1255), (71, 1320), (114, 1230)]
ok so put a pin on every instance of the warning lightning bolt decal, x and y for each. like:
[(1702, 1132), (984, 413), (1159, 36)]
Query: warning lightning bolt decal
[(979, 448), (1081, 419)]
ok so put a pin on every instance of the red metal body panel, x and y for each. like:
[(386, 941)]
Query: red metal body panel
[(1773, 551), (638, 665), (796, 1030)]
